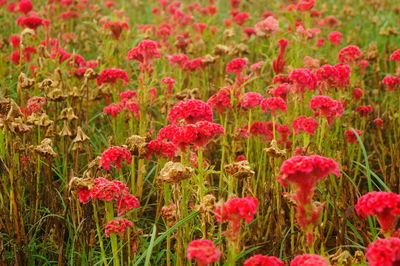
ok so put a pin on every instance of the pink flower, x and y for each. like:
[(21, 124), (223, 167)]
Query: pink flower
[(234, 210), (263, 129), (335, 37), (281, 90), (111, 75), (161, 149), (378, 123), (113, 109), (385, 205), (306, 124), (126, 203), (395, 56), (117, 226), (221, 101), (309, 260), (114, 157), (305, 5), (250, 100), (364, 110), (357, 93), (351, 136), (260, 260), (273, 104), (144, 53), (349, 54), (204, 251), (32, 22), (191, 111), (84, 195), (326, 107), (391, 82), (236, 66), (240, 18), (384, 252), (267, 26), (116, 27), (303, 78), (127, 95), (104, 189)]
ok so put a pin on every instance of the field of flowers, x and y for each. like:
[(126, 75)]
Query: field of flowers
[(217, 132)]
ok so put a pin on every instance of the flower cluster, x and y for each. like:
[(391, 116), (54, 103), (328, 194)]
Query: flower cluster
[(306, 124), (326, 107), (191, 111), (384, 252), (117, 226), (204, 251), (309, 260), (114, 157), (260, 260), (112, 75)]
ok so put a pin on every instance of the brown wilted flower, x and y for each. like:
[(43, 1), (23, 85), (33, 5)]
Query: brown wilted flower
[(188, 94), (45, 149), (24, 82), (221, 49), (274, 150), (239, 169), (18, 126), (90, 74), (137, 145), (46, 84), (239, 49), (170, 213), (80, 136), (67, 114), (207, 204), (228, 33), (175, 172), (56, 95), (39, 119), (77, 183), (75, 92), (209, 59), (65, 131)]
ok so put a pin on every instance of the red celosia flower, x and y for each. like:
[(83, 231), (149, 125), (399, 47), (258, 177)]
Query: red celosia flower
[(266, 26), (114, 156), (191, 111), (263, 129), (250, 100), (391, 82), (303, 78), (378, 123), (128, 95), (177, 59), (326, 107), (278, 64), (306, 124), (35, 104), (351, 136), (364, 110), (335, 37), (126, 203), (193, 65), (144, 53), (32, 22), (320, 42), (385, 205), (117, 226), (260, 260), (256, 67), (104, 189), (357, 93), (384, 252), (395, 55), (249, 32), (116, 27), (205, 132), (170, 82), (281, 90), (309, 260), (15, 56), (305, 5), (273, 104), (349, 54), (133, 107), (114, 109), (15, 41), (84, 195), (236, 66), (204, 251), (25, 6), (234, 210), (221, 100), (111, 75), (161, 148), (240, 18)]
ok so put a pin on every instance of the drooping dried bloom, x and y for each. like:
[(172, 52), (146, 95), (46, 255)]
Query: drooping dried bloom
[(309, 260), (204, 251), (351, 136), (114, 157), (191, 111), (104, 189), (306, 124), (260, 260), (117, 226), (126, 203), (273, 104), (326, 107), (384, 252), (112, 75), (240, 169), (234, 210), (303, 78), (349, 54), (385, 205), (175, 172)]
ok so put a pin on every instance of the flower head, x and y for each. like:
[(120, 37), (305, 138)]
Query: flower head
[(117, 226), (126, 203), (273, 104), (191, 111), (309, 260), (349, 54), (114, 157), (384, 252), (351, 136), (111, 75), (204, 251), (260, 260)]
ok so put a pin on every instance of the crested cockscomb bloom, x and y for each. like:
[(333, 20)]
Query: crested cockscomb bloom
[(349, 54), (193, 65), (320, 42), (391, 82), (206, 131), (305, 5), (266, 26), (309, 260), (378, 123), (84, 195), (303, 78), (114, 157), (117, 226), (273, 104), (385, 205), (256, 67), (15, 56), (25, 6), (35, 104), (384, 252), (234, 211), (306, 124), (281, 90), (351, 136), (236, 66), (221, 101), (116, 27), (104, 189), (240, 18), (263, 129), (343, 75), (177, 59), (326, 107), (15, 41), (32, 22), (126, 203), (249, 32), (357, 93), (335, 37), (395, 56), (112, 75), (161, 148), (250, 100), (128, 95), (204, 251), (114, 109), (260, 260), (144, 53), (364, 110), (304, 172), (191, 111), (170, 82), (333, 76)]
